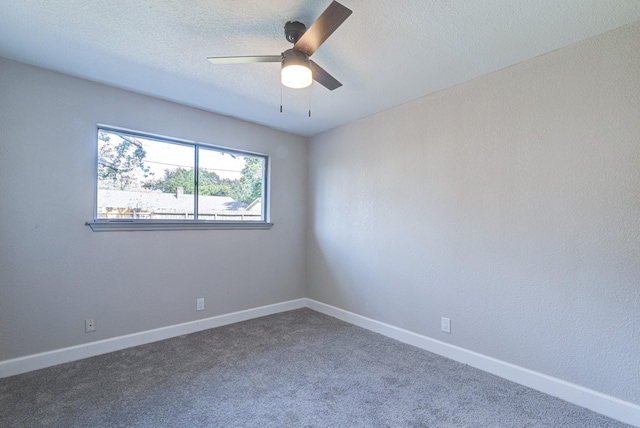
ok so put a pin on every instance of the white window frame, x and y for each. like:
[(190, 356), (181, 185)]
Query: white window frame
[(121, 225)]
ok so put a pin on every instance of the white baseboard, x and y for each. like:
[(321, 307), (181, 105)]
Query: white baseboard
[(91, 349), (612, 407), (593, 400)]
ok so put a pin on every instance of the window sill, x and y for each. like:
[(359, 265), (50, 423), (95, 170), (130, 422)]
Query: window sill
[(141, 225)]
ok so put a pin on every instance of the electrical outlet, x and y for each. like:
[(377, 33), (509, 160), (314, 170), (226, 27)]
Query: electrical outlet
[(200, 304), (89, 325), (445, 325)]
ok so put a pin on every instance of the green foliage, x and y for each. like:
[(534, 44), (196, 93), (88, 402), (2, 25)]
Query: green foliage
[(247, 189), (120, 164), (210, 183)]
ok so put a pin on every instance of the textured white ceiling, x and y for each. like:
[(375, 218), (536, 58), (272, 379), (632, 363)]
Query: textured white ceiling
[(386, 53)]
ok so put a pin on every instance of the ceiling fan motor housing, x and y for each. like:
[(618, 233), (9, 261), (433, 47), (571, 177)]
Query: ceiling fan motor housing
[(294, 57), (293, 30)]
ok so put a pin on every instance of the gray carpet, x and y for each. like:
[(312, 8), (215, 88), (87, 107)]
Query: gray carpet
[(294, 369)]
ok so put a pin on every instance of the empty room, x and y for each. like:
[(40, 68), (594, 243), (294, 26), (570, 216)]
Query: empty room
[(417, 213)]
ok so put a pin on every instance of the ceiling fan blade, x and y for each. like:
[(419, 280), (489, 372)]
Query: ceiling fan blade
[(324, 26), (324, 78), (244, 59)]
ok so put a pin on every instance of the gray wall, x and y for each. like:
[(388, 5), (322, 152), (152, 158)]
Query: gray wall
[(55, 272), (510, 204)]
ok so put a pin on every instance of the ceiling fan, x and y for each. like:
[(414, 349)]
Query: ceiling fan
[(297, 70)]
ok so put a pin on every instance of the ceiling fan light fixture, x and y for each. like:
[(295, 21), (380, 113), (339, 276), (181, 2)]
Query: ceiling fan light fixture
[(296, 71)]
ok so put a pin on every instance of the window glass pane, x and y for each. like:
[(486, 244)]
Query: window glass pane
[(154, 178), (230, 186), (141, 178)]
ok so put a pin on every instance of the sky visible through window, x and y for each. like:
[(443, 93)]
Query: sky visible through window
[(161, 156)]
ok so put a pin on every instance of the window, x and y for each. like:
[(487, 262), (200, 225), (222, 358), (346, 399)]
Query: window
[(147, 182)]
